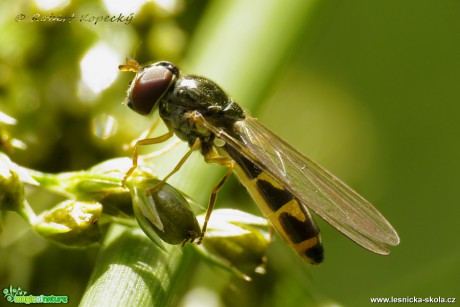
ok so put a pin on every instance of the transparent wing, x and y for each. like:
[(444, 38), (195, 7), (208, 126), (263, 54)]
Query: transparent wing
[(317, 188)]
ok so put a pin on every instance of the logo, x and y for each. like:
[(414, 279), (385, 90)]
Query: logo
[(20, 296)]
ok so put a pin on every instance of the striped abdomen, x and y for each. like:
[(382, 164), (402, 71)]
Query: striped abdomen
[(290, 217)]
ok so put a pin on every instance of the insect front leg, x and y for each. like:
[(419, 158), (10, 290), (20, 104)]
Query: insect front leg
[(145, 134), (149, 141), (213, 157)]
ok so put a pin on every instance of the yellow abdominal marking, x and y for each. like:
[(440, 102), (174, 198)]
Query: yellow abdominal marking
[(263, 176), (293, 209), (305, 245)]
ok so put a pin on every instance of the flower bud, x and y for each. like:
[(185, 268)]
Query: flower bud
[(234, 239), (165, 211), (12, 178), (11, 190), (71, 223)]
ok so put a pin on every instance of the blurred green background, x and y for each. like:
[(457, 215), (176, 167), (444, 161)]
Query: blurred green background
[(368, 89)]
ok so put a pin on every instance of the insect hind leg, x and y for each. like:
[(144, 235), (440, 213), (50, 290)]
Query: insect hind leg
[(213, 157)]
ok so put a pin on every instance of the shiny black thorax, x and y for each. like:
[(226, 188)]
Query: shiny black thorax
[(192, 93)]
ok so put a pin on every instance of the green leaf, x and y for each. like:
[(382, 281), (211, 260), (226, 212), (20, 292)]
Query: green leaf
[(132, 271)]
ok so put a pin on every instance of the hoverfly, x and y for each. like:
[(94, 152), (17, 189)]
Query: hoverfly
[(284, 183)]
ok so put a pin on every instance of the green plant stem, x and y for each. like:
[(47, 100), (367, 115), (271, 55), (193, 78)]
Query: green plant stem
[(132, 271), (243, 45)]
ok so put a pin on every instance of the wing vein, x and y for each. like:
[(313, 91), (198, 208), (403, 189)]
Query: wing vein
[(318, 189)]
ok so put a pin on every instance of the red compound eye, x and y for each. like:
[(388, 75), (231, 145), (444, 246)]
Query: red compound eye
[(150, 85)]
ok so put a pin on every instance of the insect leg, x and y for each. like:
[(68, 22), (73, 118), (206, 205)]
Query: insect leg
[(145, 134), (195, 146), (213, 158), (149, 141)]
